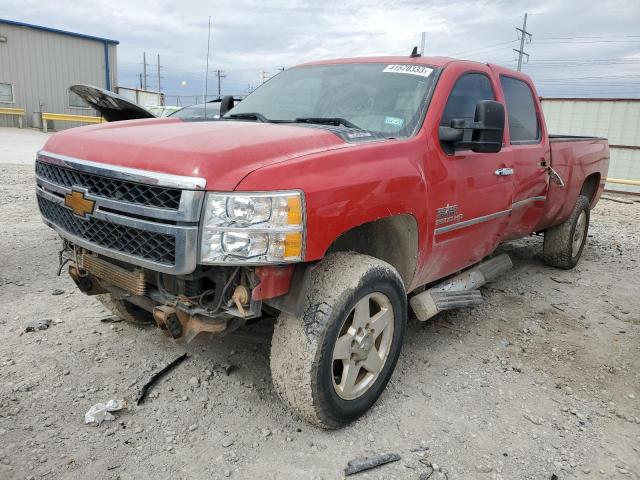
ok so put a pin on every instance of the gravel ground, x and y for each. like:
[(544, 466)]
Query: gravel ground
[(542, 379), (20, 145)]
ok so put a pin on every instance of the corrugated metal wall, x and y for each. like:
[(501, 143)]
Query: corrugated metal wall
[(618, 120), (43, 65)]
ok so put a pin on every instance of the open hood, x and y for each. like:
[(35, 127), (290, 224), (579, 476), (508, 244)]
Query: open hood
[(111, 106)]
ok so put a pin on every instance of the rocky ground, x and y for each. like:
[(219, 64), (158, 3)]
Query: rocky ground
[(541, 380)]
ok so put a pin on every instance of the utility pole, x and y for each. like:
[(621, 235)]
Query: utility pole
[(220, 74), (206, 73), (522, 33), (144, 69), (159, 89), (423, 40), (140, 81)]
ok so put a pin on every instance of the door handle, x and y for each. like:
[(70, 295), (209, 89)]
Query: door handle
[(504, 172)]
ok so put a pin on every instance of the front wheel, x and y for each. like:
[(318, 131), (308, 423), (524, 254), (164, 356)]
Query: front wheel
[(564, 243), (331, 364)]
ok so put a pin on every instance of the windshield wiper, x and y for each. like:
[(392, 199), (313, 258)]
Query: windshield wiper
[(248, 116), (328, 121)]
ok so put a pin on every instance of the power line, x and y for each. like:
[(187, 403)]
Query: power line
[(465, 52)]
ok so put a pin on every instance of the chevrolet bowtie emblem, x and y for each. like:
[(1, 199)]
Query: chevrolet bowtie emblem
[(78, 203)]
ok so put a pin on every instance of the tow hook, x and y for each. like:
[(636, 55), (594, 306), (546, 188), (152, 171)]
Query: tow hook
[(167, 319), (241, 298), (180, 324)]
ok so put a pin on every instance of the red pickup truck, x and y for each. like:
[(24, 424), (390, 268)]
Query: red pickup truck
[(330, 196)]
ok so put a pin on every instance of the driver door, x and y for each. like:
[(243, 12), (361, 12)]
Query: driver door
[(472, 216)]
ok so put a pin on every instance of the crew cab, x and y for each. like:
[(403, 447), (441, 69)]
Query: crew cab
[(333, 198)]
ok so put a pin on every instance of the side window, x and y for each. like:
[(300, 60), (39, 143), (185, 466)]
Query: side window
[(465, 95), (6, 93), (521, 110)]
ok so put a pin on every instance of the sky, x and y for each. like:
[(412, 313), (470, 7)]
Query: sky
[(575, 49)]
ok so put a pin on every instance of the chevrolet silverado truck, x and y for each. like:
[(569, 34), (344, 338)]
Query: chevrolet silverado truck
[(334, 198)]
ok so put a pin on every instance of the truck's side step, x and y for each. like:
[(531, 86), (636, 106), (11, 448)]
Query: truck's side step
[(459, 291), (453, 300)]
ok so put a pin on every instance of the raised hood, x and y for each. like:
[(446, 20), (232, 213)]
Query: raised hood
[(221, 152), (111, 106)]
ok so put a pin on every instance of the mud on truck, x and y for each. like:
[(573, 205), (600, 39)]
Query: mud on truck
[(334, 198)]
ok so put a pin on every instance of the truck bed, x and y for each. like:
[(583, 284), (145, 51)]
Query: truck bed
[(577, 159)]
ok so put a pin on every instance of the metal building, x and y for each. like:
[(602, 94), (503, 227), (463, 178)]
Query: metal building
[(39, 64), (617, 119)]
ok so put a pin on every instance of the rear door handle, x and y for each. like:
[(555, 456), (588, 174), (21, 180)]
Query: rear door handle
[(504, 172)]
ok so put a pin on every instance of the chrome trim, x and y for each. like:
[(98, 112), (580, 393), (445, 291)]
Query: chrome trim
[(520, 203), (188, 210), (473, 221), (123, 173), (186, 238), (504, 172)]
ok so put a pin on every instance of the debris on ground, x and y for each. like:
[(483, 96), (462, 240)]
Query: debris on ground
[(156, 376), (112, 319), (434, 468), (57, 291), (559, 280), (532, 419), (361, 464), (227, 368), (35, 325), (101, 412)]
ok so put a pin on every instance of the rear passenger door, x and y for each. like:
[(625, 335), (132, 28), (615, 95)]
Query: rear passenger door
[(530, 154)]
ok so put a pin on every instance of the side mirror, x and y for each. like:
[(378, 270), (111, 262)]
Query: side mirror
[(226, 104), (489, 129), (483, 135)]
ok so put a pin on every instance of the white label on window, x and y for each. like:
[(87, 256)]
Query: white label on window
[(409, 69)]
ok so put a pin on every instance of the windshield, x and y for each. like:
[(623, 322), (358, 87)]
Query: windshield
[(377, 97), (197, 112)]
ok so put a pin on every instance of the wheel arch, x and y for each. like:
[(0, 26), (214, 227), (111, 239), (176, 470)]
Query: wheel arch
[(393, 239), (590, 187)]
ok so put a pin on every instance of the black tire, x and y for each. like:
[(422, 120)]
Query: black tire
[(559, 248), (129, 312), (303, 367)]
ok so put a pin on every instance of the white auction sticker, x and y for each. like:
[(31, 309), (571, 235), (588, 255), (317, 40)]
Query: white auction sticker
[(409, 69)]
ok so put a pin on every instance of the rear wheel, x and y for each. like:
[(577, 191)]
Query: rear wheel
[(564, 243), (331, 364), (126, 310)]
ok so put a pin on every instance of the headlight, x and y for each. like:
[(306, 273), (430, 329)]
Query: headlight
[(252, 228)]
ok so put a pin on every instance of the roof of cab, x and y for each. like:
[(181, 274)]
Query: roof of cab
[(431, 61)]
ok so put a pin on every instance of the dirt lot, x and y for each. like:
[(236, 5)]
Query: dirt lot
[(542, 379)]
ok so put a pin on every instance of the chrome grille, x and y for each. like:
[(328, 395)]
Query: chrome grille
[(115, 189), (156, 247), (140, 217)]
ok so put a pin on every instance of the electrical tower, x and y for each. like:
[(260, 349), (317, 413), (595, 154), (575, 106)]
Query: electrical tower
[(159, 89), (220, 74), (144, 70), (522, 35)]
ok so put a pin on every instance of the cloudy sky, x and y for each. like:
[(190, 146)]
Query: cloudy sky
[(576, 49)]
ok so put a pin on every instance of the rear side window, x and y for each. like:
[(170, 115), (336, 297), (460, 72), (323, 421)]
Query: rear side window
[(465, 95), (521, 110)]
